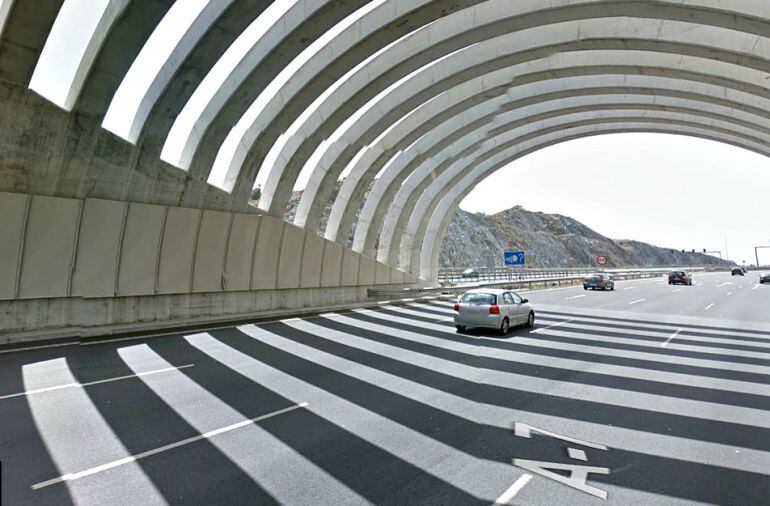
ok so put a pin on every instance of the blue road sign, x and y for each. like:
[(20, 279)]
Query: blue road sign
[(513, 257)]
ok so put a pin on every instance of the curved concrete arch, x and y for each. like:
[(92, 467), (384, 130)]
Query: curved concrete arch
[(485, 14), (336, 64), (330, 158), (555, 90), (430, 246), (417, 223), (560, 64)]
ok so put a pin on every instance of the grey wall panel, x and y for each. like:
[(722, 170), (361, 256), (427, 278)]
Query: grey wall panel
[(381, 274), (366, 271), (96, 262), (49, 247), (177, 249), (332, 266), (266, 253), (13, 208), (350, 260), (312, 258), (240, 252), (210, 251), (139, 252), (396, 276), (291, 257)]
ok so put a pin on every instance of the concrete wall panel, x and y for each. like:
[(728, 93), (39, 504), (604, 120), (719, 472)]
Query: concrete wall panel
[(139, 253), (13, 210), (266, 253), (350, 261), (240, 252), (332, 266), (381, 274), (290, 257), (312, 258), (49, 247), (396, 276), (210, 251), (177, 250), (366, 271), (96, 262)]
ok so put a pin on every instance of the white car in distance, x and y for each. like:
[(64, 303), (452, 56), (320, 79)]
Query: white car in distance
[(492, 308)]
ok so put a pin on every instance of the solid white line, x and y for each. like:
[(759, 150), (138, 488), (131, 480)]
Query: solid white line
[(636, 302), (161, 449), (57, 345), (575, 297), (709, 306), (629, 288), (677, 290), (724, 284), (551, 326), (672, 336), (90, 383), (514, 489)]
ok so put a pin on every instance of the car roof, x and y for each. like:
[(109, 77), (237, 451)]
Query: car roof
[(493, 291)]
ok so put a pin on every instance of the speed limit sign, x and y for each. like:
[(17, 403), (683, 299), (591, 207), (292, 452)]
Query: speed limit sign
[(602, 260)]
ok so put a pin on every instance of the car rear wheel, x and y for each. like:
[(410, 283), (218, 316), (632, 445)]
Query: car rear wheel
[(505, 326), (530, 320), (460, 328)]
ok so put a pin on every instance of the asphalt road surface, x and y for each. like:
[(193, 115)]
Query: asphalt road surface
[(650, 394)]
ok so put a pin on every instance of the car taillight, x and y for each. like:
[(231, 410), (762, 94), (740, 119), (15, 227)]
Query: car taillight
[(494, 309), (457, 307)]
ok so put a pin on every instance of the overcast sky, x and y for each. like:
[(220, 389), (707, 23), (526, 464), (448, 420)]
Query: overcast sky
[(671, 191)]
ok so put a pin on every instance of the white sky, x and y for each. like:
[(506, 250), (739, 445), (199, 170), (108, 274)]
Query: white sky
[(671, 191)]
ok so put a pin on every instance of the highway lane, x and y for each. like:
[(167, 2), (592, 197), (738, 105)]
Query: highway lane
[(392, 406)]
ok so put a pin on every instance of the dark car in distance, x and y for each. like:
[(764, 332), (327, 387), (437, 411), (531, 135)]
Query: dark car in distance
[(598, 281), (738, 271), (764, 278), (679, 278)]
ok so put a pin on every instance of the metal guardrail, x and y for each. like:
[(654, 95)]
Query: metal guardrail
[(454, 275), (514, 283)]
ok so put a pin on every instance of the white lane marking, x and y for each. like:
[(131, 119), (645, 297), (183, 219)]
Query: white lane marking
[(724, 284), (755, 287), (27, 348), (672, 336), (161, 449), (677, 290), (709, 306), (740, 286), (629, 288), (514, 489), (575, 297), (551, 326), (90, 383), (636, 302), (576, 454), (728, 294)]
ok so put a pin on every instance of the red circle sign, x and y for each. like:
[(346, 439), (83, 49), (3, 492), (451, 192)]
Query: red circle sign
[(602, 260)]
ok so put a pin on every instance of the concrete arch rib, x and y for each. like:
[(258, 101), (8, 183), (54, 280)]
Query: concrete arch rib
[(240, 59), (489, 15), (554, 90), (511, 138), (499, 82), (360, 24), (430, 246), (330, 158)]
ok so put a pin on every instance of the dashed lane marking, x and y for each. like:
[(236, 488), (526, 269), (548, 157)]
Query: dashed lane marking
[(514, 489), (636, 302)]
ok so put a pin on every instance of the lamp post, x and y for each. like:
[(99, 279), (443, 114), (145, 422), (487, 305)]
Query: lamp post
[(756, 252)]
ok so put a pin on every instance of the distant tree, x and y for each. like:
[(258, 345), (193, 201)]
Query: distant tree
[(256, 192)]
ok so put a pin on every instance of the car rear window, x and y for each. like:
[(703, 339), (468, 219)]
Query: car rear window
[(595, 277), (478, 298)]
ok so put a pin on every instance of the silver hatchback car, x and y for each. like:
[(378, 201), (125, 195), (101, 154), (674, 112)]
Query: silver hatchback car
[(491, 308)]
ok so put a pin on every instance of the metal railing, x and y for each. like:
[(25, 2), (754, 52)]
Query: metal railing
[(450, 276), (534, 277)]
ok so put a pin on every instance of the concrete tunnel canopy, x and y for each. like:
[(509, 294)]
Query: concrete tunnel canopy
[(184, 103)]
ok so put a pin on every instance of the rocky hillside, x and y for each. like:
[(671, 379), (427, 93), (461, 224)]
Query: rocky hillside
[(550, 240)]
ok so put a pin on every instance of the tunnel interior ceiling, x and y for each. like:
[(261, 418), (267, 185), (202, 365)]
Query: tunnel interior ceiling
[(413, 102)]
